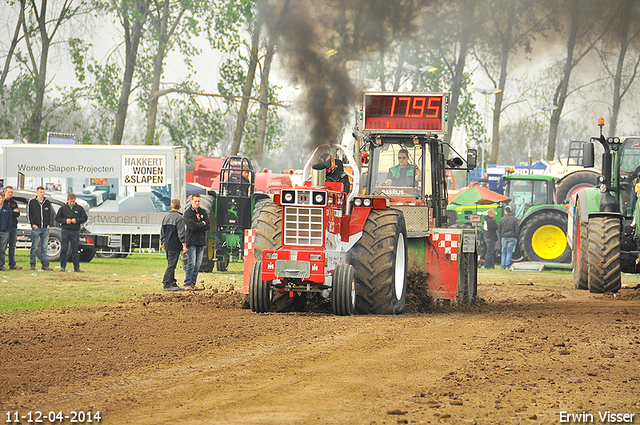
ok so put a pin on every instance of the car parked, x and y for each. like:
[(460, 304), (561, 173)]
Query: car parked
[(54, 247)]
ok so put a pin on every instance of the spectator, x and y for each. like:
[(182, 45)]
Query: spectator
[(41, 217), (508, 229), (5, 227), (491, 238), (173, 235), (197, 221), (71, 216), (13, 232)]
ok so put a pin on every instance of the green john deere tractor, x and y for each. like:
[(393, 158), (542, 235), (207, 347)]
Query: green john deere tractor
[(603, 221), (231, 208), (543, 223)]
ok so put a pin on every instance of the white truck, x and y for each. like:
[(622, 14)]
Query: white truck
[(129, 188)]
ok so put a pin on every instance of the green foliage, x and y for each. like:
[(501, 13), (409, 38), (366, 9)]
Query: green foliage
[(193, 126), (273, 136)]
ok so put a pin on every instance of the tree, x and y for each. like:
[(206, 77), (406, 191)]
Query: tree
[(617, 46), (14, 43), (133, 16), (46, 29), (509, 26), (585, 18)]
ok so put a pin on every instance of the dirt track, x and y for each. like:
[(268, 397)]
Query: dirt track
[(523, 354)]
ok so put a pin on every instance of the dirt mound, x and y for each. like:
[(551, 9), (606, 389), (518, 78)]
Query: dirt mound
[(226, 298)]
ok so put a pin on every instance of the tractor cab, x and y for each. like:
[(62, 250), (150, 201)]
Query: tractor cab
[(400, 170), (629, 175)]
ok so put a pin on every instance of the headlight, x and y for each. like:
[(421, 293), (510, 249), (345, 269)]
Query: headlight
[(319, 198), (288, 197), (603, 188), (367, 202), (357, 202)]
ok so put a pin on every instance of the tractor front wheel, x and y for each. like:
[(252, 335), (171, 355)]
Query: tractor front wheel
[(580, 253), (344, 290), (259, 290), (380, 262), (222, 264), (544, 238), (604, 255)]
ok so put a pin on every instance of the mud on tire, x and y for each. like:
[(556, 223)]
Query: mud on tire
[(580, 254), (604, 255), (380, 262)]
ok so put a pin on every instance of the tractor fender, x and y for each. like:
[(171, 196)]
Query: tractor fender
[(547, 208), (589, 200)]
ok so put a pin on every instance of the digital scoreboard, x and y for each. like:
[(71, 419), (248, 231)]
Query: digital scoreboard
[(402, 112)]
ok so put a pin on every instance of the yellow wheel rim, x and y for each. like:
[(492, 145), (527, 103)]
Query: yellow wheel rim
[(549, 242)]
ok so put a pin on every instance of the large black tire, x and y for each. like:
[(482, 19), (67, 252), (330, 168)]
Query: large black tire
[(468, 292), (87, 254), (343, 298), (267, 222), (54, 245), (207, 263), (380, 262), (604, 255), (260, 291), (222, 264), (574, 182), (580, 254), (544, 238)]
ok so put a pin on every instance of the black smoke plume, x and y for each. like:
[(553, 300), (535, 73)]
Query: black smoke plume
[(316, 39)]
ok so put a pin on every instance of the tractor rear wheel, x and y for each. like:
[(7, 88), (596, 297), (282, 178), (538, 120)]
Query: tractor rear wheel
[(574, 182), (267, 222), (580, 253), (344, 290), (544, 238), (604, 255), (380, 262)]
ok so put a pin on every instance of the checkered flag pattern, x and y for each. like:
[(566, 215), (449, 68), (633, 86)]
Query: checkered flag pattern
[(447, 243)]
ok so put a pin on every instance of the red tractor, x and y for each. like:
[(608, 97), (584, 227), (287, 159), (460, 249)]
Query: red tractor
[(355, 243)]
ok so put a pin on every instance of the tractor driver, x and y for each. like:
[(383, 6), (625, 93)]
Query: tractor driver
[(403, 174)]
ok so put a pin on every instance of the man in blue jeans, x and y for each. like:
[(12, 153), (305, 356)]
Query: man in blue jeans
[(198, 224), (508, 230), (41, 216)]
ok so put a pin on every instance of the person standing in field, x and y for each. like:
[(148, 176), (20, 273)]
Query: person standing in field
[(41, 217), (13, 232), (197, 221), (508, 229), (71, 216), (5, 227), (173, 234), (491, 238)]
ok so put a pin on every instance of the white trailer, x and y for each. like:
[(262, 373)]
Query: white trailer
[(128, 188)]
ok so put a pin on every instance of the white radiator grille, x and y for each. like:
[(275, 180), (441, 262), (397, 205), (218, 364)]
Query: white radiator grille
[(303, 226)]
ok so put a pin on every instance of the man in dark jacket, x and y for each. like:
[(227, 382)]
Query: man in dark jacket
[(508, 229), (71, 216), (173, 234), (198, 224), (491, 238), (5, 226), (13, 232), (41, 217)]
